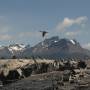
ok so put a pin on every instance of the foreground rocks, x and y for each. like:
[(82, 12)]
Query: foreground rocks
[(44, 75), (47, 81)]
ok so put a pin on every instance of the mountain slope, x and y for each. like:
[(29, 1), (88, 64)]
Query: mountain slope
[(5, 53), (56, 48), (12, 50)]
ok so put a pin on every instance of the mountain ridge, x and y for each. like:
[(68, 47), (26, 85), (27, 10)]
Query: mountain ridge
[(53, 47)]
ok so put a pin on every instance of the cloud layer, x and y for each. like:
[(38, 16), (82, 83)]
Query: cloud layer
[(67, 22)]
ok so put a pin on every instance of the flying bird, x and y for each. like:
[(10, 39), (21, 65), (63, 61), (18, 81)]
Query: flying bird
[(43, 33)]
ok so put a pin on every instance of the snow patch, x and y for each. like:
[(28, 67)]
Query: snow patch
[(16, 48), (72, 41), (55, 41)]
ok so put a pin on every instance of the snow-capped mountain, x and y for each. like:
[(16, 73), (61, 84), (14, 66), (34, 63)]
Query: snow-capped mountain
[(49, 48), (16, 47), (56, 48), (12, 50)]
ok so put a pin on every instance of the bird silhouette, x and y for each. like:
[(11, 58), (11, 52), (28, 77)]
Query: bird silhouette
[(43, 33)]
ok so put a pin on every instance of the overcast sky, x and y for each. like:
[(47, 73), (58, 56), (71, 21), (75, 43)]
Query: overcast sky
[(21, 20)]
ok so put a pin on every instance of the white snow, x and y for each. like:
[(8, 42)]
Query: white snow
[(11, 50), (72, 41), (55, 41), (17, 47), (22, 46)]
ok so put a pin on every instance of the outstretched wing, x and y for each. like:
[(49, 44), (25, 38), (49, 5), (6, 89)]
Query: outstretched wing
[(43, 33)]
